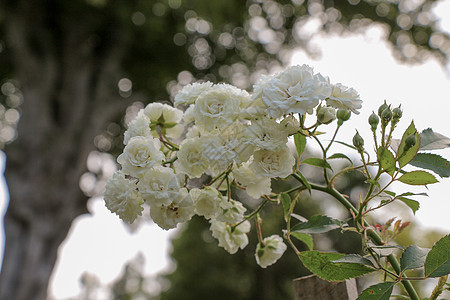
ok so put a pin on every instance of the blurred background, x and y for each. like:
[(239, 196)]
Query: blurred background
[(74, 73)]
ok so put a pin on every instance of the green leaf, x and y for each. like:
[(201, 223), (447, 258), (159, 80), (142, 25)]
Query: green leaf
[(430, 140), (387, 160), (418, 178), (317, 224), (340, 155), (433, 162), (300, 143), (413, 204), (317, 162), (286, 202), (306, 238), (413, 257), (404, 157), (381, 291), (355, 259), (437, 263), (345, 144), (305, 181), (321, 264)]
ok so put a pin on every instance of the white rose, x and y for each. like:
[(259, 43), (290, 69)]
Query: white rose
[(270, 250), (122, 198), (190, 158), (290, 125), (231, 211), (219, 106), (325, 115), (159, 186), (295, 90), (273, 163), (231, 241), (139, 155), (139, 126), (164, 118), (266, 133), (219, 154), (189, 93), (179, 211), (206, 201), (344, 97), (255, 184)]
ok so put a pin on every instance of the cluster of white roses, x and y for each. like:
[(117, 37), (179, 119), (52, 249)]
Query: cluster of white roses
[(227, 134)]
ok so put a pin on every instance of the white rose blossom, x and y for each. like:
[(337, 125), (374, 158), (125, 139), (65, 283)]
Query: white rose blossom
[(179, 211), (189, 93), (206, 201), (191, 160), (344, 97), (159, 185), (231, 211), (266, 133), (270, 250), (255, 184), (139, 126), (218, 106), (164, 118), (295, 90), (230, 240), (273, 163), (122, 198), (139, 155)]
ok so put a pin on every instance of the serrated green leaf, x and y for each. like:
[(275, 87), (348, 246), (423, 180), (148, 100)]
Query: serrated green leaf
[(306, 238), (300, 143), (286, 202), (404, 157), (417, 178), (317, 162), (317, 224), (355, 259), (381, 291), (387, 160), (305, 181), (413, 257), (340, 155), (433, 162), (390, 193), (320, 263), (437, 263), (431, 140), (413, 204)]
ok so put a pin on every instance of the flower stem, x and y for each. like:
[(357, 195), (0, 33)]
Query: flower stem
[(373, 235)]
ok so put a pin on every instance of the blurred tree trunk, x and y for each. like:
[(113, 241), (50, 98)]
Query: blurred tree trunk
[(67, 84)]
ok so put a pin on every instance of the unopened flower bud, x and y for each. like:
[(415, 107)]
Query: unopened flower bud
[(396, 114), (373, 121), (386, 116), (343, 115), (382, 108), (410, 141), (325, 115), (358, 142)]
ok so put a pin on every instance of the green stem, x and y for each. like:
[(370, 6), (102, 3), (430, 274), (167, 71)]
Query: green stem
[(376, 239)]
